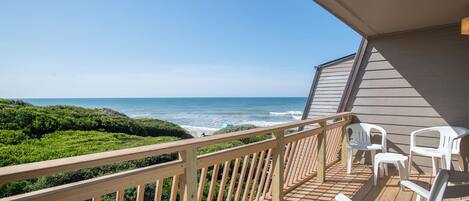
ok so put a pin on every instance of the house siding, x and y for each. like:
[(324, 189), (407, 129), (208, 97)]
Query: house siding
[(414, 80), (326, 93)]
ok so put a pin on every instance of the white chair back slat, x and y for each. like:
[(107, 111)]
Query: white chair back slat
[(360, 135), (448, 134)]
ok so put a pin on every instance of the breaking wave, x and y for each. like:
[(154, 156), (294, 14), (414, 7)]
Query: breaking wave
[(293, 114)]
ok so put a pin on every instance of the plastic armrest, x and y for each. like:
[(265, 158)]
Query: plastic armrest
[(416, 188), (342, 197)]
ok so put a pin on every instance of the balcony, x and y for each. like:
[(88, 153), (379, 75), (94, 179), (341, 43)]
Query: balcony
[(299, 162)]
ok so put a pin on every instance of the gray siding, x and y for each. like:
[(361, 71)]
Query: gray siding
[(411, 81), (327, 92)]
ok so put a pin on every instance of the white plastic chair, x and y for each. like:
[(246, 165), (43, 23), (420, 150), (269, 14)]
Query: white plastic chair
[(437, 190), (360, 139), (449, 145)]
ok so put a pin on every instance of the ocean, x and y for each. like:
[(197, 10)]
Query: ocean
[(197, 115)]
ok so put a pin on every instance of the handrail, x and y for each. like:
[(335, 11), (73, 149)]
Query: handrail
[(284, 162), (42, 168)]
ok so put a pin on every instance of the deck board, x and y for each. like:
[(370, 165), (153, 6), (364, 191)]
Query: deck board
[(358, 186)]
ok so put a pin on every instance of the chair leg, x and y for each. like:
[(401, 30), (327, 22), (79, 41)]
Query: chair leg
[(409, 167), (375, 173), (405, 167), (435, 165), (402, 171), (381, 170), (373, 154), (460, 162), (349, 161), (418, 198), (386, 173)]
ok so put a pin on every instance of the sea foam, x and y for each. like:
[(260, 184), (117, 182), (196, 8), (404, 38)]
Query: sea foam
[(197, 131), (296, 115)]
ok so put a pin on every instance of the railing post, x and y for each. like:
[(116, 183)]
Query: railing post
[(343, 155), (321, 168), (277, 155), (188, 182)]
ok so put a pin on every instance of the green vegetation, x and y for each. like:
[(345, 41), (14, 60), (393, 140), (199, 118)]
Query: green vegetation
[(72, 143), (37, 121), (11, 137), (242, 128), (230, 129)]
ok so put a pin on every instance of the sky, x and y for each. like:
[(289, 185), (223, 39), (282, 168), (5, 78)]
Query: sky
[(165, 48)]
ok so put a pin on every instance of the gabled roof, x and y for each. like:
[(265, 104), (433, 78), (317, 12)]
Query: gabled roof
[(335, 61)]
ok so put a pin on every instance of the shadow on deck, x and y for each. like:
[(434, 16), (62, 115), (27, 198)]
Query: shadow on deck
[(358, 186)]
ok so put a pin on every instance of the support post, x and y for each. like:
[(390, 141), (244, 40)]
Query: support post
[(278, 154), (321, 167), (188, 182), (343, 155)]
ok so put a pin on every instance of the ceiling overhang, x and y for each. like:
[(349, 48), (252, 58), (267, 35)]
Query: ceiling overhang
[(381, 17)]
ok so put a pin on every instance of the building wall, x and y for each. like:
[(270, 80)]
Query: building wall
[(327, 91), (414, 80)]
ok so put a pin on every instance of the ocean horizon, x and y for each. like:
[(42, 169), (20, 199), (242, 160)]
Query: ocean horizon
[(196, 114)]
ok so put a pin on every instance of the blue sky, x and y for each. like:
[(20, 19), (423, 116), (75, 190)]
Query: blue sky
[(165, 48)]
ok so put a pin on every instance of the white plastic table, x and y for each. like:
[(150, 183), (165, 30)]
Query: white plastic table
[(398, 160)]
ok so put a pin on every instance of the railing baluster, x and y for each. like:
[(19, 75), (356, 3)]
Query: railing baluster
[(264, 177), (242, 177), (203, 175), (321, 167), (120, 195), (158, 189), (289, 163), (213, 182), (251, 172), (278, 162), (233, 179), (313, 159), (224, 177), (257, 176), (174, 188), (307, 157), (140, 192), (299, 161)]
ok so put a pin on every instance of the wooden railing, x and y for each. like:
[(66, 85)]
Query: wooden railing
[(258, 171)]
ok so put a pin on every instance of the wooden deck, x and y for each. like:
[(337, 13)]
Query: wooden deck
[(358, 186)]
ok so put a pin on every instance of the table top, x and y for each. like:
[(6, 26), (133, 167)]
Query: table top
[(390, 156)]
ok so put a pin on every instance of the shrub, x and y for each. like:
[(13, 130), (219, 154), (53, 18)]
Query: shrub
[(37, 121), (11, 137), (242, 128), (12, 103)]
